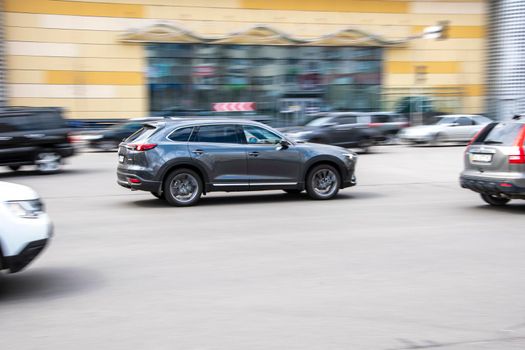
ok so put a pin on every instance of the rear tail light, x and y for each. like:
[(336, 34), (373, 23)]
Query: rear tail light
[(133, 180), (141, 146), (70, 138), (374, 125), (518, 152)]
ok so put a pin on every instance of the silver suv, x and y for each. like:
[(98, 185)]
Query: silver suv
[(495, 162), (180, 160)]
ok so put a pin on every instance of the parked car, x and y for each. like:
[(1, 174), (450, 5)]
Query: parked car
[(388, 124), (450, 128), (495, 162), (25, 229), (180, 160), (33, 136), (108, 139), (345, 129)]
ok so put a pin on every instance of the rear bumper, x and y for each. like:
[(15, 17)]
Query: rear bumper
[(66, 150), (123, 179), (17, 262), (492, 186)]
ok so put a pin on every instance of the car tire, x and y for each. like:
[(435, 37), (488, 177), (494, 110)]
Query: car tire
[(293, 191), (14, 167), (495, 200), (438, 140), (158, 195), (323, 182), (187, 191), (48, 162)]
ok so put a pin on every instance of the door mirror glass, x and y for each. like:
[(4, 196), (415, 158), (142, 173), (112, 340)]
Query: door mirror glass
[(283, 144), (329, 125)]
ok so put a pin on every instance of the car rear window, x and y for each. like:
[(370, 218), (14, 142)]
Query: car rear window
[(142, 134), (504, 134)]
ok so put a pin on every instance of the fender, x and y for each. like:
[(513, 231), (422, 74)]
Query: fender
[(340, 165), (166, 167)]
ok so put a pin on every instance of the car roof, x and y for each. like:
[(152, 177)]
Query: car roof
[(460, 115), (201, 121)]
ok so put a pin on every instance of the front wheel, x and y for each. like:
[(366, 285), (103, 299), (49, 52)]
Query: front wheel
[(495, 200), (183, 188), (323, 182), (48, 162)]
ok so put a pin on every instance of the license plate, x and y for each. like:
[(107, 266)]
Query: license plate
[(121, 159), (480, 158)]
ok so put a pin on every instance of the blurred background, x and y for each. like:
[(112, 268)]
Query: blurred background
[(107, 60)]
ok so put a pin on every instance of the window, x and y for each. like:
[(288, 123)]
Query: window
[(142, 134), (257, 135), (464, 121), (381, 118), (347, 119), (504, 134), (217, 134), (181, 135)]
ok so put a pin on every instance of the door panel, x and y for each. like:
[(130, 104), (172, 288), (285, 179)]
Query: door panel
[(267, 164), (224, 160)]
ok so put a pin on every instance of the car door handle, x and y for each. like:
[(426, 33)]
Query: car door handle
[(198, 152), (5, 138), (34, 136), (253, 154)]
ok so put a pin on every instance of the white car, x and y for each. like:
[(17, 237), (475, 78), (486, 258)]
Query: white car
[(25, 229), (450, 128)]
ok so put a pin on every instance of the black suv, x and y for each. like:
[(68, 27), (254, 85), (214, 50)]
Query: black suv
[(345, 129), (33, 136), (180, 160)]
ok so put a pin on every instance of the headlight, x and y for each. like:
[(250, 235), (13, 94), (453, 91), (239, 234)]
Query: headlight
[(351, 156), (26, 209)]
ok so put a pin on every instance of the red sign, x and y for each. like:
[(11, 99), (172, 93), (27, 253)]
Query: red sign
[(234, 107)]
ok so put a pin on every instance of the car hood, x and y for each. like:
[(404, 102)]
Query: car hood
[(14, 192), (322, 148)]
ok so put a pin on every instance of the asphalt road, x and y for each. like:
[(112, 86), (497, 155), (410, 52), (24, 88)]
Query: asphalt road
[(404, 260)]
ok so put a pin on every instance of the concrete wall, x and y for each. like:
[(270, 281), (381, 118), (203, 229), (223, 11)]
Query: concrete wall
[(67, 53)]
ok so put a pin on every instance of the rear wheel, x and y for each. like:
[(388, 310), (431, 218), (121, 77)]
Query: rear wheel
[(323, 182), (495, 200), (183, 188), (48, 162), (14, 167), (365, 144)]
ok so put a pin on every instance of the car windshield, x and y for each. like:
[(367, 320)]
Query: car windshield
[(319, 121)]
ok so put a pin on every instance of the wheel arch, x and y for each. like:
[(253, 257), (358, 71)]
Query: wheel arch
[(332, 161), (184, 165)]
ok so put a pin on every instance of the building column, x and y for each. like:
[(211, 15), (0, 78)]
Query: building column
[(506, 59), (3, 79)]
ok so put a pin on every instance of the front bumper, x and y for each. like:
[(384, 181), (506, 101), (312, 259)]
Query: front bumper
[(17, 262), (493, 187)]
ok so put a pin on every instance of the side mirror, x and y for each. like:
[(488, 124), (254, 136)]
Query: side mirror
[(454, 124), (283, 144)]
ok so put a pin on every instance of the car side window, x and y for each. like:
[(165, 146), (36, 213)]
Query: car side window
[(347, 119), (380, 118), (217, 134), (181, 135), (258, 135), (464, 121)]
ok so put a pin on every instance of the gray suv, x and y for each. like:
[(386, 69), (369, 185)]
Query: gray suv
[(495, 162), (182, 159)]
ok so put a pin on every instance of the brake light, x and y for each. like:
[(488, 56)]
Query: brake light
[(518, 154), (133, 180), (374, 125), (142, 146), (475, 137)]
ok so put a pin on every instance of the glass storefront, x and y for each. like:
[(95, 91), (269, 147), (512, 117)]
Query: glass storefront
[(278, 79)]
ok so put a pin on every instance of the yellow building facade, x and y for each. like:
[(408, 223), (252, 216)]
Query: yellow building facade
[(90, 56)]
